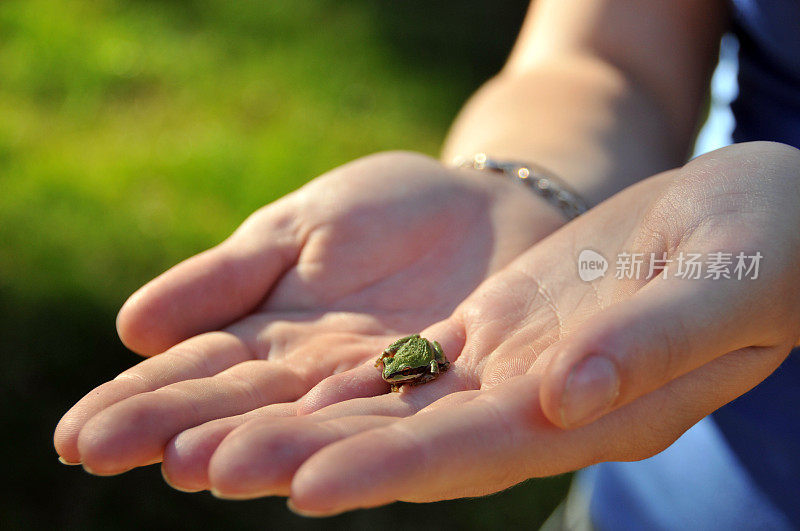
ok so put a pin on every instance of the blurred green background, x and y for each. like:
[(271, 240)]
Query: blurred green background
[(134, 134)]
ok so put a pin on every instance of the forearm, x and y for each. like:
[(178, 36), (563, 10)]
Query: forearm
[(602, 92), (579, 117)]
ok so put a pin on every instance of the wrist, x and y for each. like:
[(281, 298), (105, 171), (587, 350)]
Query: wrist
[(583, 122), (523, 207), (537, 180)]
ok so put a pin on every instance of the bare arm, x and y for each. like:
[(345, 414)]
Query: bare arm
[(602, 92)]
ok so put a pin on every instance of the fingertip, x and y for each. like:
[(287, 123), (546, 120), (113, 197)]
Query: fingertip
[(252, 462), (102, 472), (187, 455), (316, 495), (136, 327), (96, 447), (350, 474), (182, 487), (65, 439), (176, 304), (120, 438), (360, 382), (309, 496), (67, 432), (554, 382), (292, 506), (126, 324), (581, 382)]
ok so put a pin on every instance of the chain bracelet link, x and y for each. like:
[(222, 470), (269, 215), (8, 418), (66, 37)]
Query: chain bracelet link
[(544, 184)]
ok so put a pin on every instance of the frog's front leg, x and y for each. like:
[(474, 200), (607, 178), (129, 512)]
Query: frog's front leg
[(439, 353), (435, 368), (384, 355), (443, 363)]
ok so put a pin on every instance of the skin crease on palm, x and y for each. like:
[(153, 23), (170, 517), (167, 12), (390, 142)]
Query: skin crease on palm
[(679, 348)]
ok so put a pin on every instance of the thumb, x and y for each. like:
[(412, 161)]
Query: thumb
[(214, 288), (668, 328)]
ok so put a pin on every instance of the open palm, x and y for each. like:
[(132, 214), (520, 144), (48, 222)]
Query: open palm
[(677, 349), (308, 287)]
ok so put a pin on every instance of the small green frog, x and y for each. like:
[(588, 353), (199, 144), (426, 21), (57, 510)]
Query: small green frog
[(412, 360)]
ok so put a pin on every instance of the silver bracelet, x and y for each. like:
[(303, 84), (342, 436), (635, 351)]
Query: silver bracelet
[(534, 177)]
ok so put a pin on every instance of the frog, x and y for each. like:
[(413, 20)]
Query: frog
[(412, 360)]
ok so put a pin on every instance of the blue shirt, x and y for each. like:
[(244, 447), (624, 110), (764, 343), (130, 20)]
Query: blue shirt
[(768, 106), (736, 469), (740, 467)]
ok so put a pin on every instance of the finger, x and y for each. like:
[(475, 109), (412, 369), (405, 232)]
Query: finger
[(667, 329), (210, 290), (133, 432), (206, 355), (197, 357), (260, 458), (272, 451), (360, 382), (501, 437), (467, 436), (406, 402), (187, 455)]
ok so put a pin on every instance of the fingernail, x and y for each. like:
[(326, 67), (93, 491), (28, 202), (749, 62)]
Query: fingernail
[(93, 472), (173, 485), (223, 496), (241, 496), (591, 388), (231, 497), (309, 514), (90, 470), (68, 463)]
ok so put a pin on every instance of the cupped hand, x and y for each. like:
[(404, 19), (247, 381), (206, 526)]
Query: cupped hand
[(309, 286), (550, 373)]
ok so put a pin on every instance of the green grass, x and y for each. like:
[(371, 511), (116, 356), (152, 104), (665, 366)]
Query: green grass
[(130, 128), (137, 133)]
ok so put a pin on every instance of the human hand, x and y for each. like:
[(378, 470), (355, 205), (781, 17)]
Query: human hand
[(307, 287), (665, 353)]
